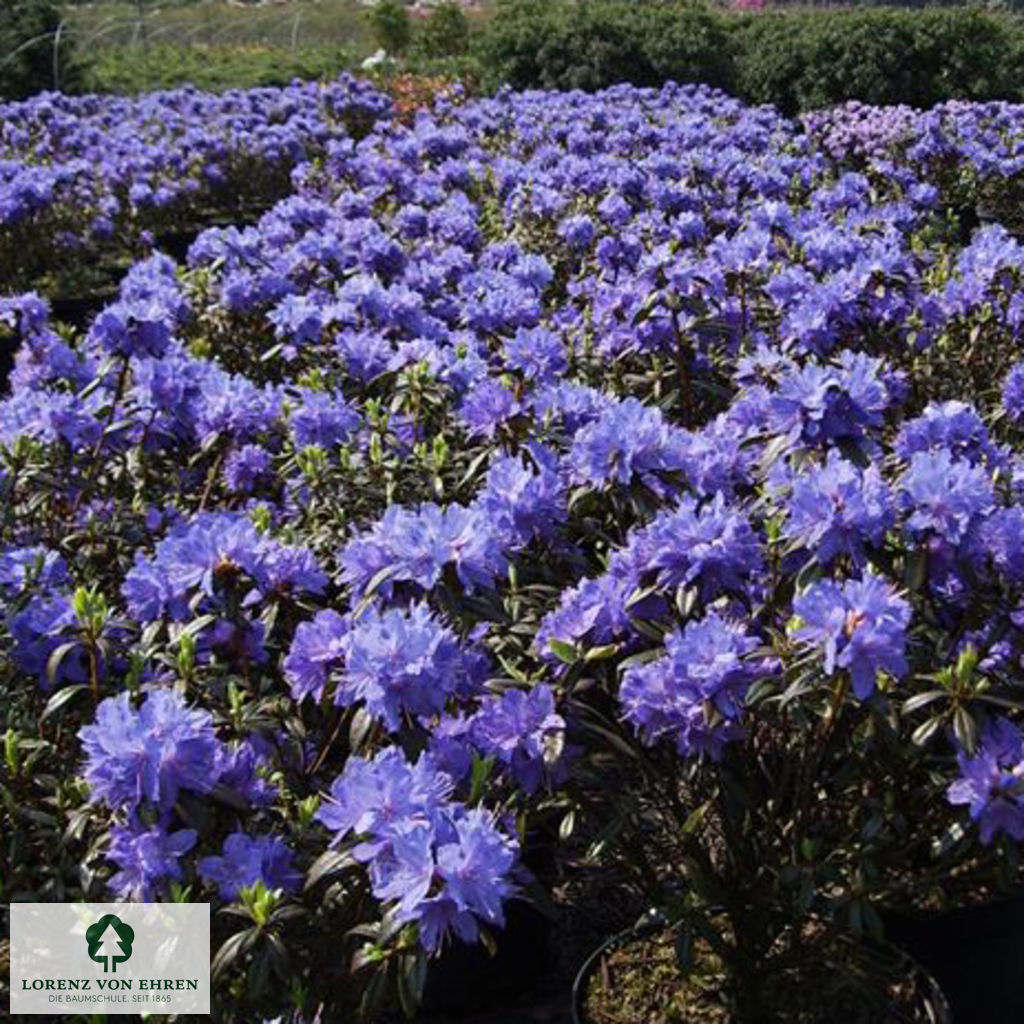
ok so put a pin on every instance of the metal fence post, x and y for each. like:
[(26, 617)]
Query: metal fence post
[(56, 54)]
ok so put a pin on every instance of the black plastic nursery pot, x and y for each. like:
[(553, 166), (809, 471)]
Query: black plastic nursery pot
[(975, 953), (935, 1005), (469, 979)]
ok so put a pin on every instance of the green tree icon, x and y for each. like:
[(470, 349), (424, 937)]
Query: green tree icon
[(110, 942)]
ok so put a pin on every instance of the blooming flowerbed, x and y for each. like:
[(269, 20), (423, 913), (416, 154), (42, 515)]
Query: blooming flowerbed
[(542, 430), (92, 173)]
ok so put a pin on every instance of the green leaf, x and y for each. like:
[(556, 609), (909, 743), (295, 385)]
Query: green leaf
[(412, 978), (564, 652), (63, 696), (695, 818), (474, 467), (685, 959), (374, 996), (331, 862), (638, 595), (566, 826), (965, 729), (55, 659), (926, 730), (237, 945), (648, 629), (359, 729), (686, 601), (371, 588), (197, 625), (487, 941), (920, 700), (481, 773), (917, 569)]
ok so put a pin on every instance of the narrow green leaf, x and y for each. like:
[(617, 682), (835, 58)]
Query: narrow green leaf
[(63, 696)]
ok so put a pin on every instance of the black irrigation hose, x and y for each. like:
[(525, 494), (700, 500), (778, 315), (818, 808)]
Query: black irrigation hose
[(651, 923)]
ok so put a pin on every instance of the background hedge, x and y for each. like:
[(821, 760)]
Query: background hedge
[(803, 59), (796, 58), (594, 43), (32, 54)]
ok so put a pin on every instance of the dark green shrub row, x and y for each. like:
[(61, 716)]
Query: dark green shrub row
[(33, 56), (796, 58), (593, 43), (804, 59)]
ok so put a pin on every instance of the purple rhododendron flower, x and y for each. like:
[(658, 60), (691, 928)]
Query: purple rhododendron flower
[(538, 354), (238, 769), (441, 865), (404, 662), (711, 547), (838, 509), (137, 328), (38, 630), (705, 672), (323, 419), (945, 496), (578, 231), (860, 626), (245, 467), (212, 548), (147, 860), (991, 782), (523, 732), (628, 440), (819, 405), (368, 797), (954, 427), (149, 754), (246, 860), (1002, 539), (521, 502), (474, 871), (417, 544), (316, 650), (36, 566), (1013, 393), (486, 407)]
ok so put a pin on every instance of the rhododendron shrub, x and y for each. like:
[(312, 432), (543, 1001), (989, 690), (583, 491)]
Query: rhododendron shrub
[(95, 174), (544, 450)]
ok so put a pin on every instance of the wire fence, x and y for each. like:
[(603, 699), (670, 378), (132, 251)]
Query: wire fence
[(290, 29), (339, 22)]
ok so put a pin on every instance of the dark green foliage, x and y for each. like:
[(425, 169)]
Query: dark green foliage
[(588, 44), (32, 56), (390, 24), (797, 59), (444, 32)]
